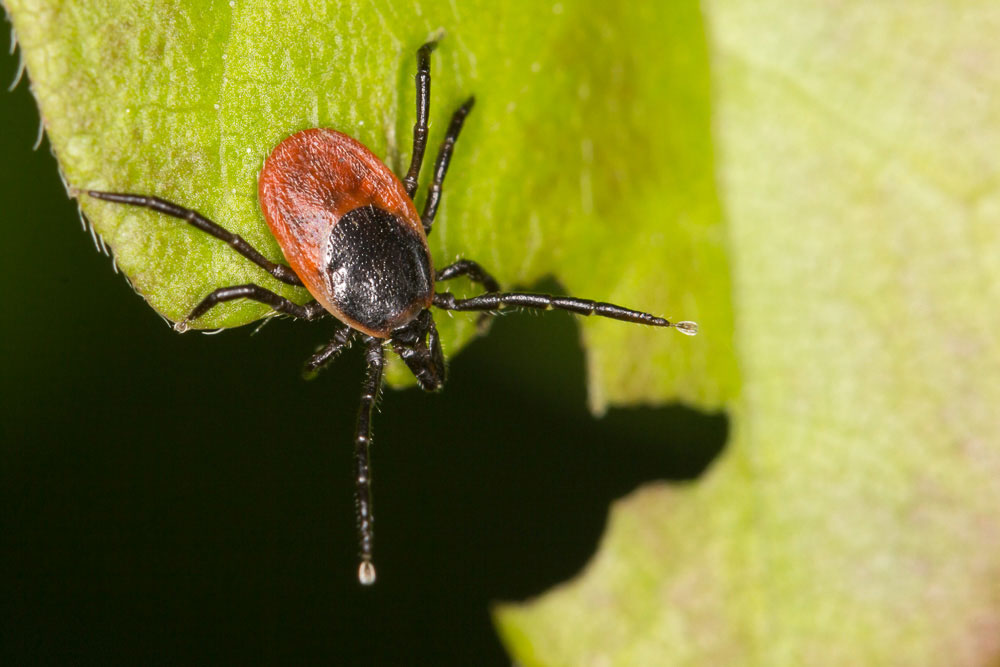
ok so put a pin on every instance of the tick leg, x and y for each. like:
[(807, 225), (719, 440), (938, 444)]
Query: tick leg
[(423, 79), (340, 340), (362, 460), (419, 346), (495, 301), (195, 219), (476, 273), (443, 159), (310, 311)]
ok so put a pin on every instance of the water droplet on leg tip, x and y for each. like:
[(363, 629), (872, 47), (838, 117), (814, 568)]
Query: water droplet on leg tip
[(181, 327), (366, 573), (687, 328)]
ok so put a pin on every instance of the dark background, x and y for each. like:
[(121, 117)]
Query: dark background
[(169, 499)]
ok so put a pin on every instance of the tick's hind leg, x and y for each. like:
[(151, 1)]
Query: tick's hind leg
[(195, 219), (419, 346), (310, 311), (375, 357), (331, 351), (494, 301)]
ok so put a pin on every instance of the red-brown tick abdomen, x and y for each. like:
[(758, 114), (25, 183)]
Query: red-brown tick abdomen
[(309, 183)]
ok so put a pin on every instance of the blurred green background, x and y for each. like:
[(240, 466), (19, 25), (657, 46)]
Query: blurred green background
[(171, 499)]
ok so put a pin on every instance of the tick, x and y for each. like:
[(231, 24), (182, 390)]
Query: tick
[(352, 236)]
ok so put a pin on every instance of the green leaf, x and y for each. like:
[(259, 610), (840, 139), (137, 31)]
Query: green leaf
[(854, 518), (586, 158)]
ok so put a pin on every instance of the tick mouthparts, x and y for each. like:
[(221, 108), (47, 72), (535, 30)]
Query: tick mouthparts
[(687, 328)]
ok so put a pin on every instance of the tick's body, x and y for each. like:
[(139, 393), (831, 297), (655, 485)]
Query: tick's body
[(348, 229), (352, 237)]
